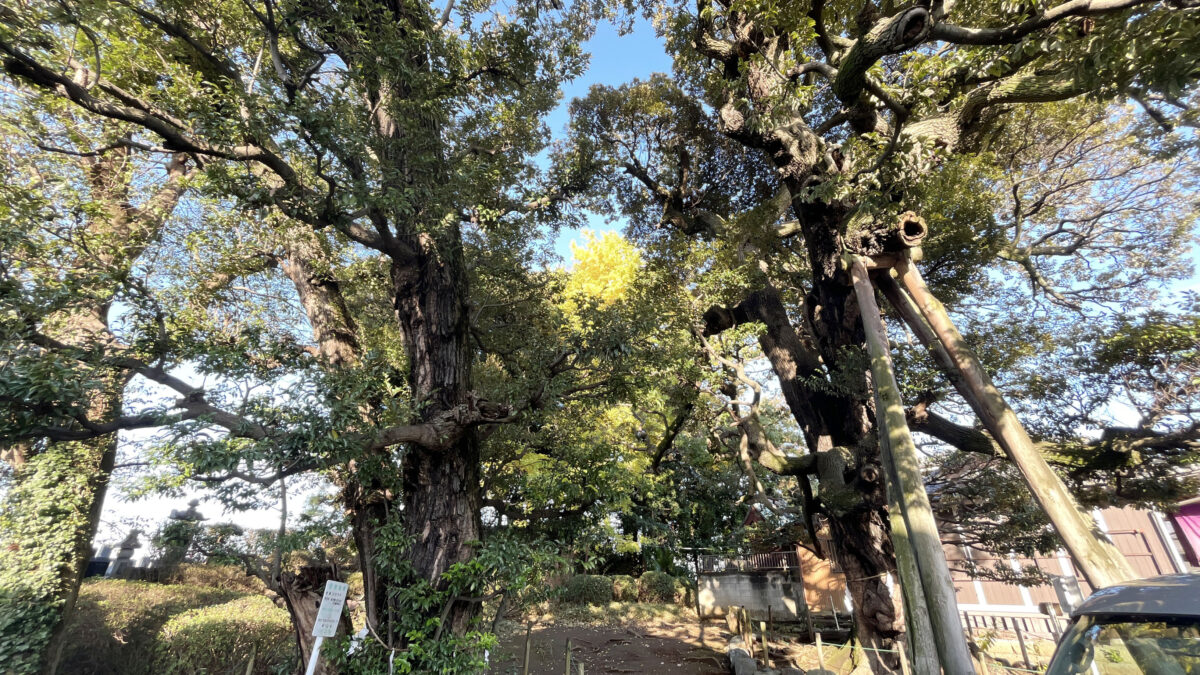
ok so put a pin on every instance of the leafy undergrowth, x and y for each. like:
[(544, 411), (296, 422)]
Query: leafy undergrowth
[(131, 627)]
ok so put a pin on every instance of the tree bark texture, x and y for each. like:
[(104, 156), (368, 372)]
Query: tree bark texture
[(861, 540), (441, 486)]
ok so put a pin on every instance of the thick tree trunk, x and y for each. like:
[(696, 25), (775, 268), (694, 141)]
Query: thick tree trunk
[(851, 499), (98, 456), (441, 486), (861, 542), (442, 502)]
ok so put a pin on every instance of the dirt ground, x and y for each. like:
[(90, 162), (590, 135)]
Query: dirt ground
[(661, 646), (666, 640)]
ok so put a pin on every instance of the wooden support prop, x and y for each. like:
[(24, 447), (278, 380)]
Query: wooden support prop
[(936, 584), (767, 638), (918, 631), (528, 637), (820, 653), (1099, 560), (762, 636), (904, 668), (911, 230), (1024, 649), (568, 670), (888, 259)]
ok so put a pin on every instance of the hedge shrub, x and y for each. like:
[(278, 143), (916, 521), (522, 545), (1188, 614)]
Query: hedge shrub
[(592, 589), (625, 588), (685, 593), (228, 577), (656, 587), (211, 639), (119, 627)]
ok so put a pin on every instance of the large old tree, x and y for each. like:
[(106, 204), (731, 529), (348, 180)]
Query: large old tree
[(797, 133), (384, 143)]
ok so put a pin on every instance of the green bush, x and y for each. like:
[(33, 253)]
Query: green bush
[(685, 594), (119, 627), (211, 639), (656, 587), (593, 589), (228, 577), (625, 588)]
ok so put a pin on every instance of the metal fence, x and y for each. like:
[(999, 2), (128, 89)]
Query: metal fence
[(776, 560)]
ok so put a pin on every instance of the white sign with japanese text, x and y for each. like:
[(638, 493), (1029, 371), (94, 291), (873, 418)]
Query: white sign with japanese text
[(330, 613)]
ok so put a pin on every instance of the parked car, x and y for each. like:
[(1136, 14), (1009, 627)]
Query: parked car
[(1144, 627)]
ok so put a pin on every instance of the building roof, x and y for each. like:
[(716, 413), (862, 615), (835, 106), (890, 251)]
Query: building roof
[(1168, 595)]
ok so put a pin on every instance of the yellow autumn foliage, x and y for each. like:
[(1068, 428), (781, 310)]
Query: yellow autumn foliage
[(604, 269)]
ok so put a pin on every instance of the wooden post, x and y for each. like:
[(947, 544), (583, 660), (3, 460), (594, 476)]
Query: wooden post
[(918, 630), (580, 669), (696, 596), (748, 627), (766, 639), (820, 653), (904, 669), (762, 636), (1099, 560), (568, 670), (528, 637), (1024, 650), (936, 584)]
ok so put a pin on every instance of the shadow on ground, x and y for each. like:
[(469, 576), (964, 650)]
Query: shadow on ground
[(662, 649)]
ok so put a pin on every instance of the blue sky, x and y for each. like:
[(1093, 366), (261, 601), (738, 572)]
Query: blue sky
[(616, 59)]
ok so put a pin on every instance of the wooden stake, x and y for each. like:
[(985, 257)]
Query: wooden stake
[(1024, 650), (918, 629), (905, 470), (1099, 560), (528, 637), (767, 637), (747, 631), (568, 670), (762, 636), (820, 653), (904, 669)]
